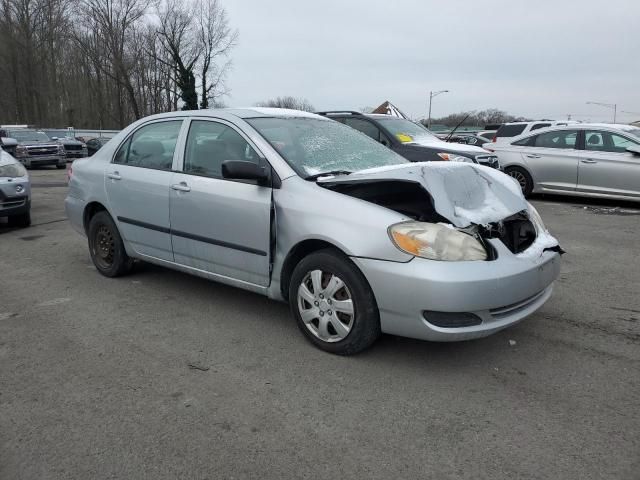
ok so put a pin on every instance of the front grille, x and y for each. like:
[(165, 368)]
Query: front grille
[(73, 147), (10, 203), (42, 151), (516, 232), (488, 161)]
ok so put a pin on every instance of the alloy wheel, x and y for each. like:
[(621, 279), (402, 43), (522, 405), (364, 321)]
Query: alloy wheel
[(326, 306), (520, 178)]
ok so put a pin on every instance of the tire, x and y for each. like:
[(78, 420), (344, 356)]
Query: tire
[(325, 324), (21, 221), (106, 247), (522, 177)]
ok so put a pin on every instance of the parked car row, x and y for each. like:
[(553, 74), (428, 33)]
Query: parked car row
[(34, 148), (337, 221), (595, 160)]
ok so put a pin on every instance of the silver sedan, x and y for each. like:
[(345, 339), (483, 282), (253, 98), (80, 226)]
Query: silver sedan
[(590, 160), (306, 210)]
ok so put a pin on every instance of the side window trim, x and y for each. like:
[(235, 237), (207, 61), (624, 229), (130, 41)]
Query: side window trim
[(127, 141)]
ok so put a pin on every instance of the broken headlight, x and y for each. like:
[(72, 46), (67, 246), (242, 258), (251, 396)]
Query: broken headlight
[(536, 219), (436, 242), (13, 170)]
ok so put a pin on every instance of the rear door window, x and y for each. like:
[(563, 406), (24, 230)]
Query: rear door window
[(511, 130), (151, 146), (562, 139)]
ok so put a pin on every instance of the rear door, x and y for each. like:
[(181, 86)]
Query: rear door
[(606, 167), (552, 158), (137, 184), (220, 226)]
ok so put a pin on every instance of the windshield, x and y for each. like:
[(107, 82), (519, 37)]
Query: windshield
[(406, 131), (313, 146), (28, 136)]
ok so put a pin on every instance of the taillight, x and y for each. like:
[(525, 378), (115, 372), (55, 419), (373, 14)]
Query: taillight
[(494, 139)]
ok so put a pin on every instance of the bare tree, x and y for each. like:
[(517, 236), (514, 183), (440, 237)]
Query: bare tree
[(104, 63), (288, 102), (215, 39)]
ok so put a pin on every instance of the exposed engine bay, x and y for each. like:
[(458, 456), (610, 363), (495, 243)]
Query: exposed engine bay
[(517, 232)]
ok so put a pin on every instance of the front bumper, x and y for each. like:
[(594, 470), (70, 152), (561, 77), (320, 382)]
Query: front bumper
[(43, 160), (75, 154), (500, 292), (15, 196)]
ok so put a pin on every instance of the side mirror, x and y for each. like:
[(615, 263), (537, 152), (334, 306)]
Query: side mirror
[(241, 170), (635, 149)]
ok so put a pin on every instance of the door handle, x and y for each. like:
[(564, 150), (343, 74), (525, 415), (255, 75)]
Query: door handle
[(589, 160), (181, 187), (114, 176), (533, 155)]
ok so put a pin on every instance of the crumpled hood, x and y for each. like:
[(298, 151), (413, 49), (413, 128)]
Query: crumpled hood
[(463, 193)]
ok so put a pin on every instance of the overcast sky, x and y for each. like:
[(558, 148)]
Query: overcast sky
[(541, 59)]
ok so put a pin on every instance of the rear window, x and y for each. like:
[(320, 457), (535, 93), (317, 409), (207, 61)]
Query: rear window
[(511, 130)]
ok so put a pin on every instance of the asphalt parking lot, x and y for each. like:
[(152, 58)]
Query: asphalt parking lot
[(164, 375)]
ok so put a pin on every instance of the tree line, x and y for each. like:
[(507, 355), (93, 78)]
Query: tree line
[(476, 118), (106, 63)]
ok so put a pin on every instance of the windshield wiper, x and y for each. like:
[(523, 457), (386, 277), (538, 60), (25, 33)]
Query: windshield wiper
[(327, 174)]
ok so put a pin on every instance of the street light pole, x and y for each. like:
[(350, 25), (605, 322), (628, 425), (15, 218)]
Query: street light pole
[(614, 106), (431, 95)]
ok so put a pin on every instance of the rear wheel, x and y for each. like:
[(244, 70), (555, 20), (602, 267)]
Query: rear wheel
[(21, 221), (522, 177), (106, 247), (333, 304)]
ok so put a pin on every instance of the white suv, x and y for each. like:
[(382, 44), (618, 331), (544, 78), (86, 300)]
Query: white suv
[(514, 129)]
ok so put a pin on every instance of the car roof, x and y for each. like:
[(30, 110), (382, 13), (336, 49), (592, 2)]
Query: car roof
[(243, 113)]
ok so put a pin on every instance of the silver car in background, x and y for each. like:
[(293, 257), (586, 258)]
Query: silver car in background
[(15, 192), (595, 160), (303, 209)]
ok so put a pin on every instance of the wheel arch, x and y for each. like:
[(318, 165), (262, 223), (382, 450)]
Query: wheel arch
[(89, 211), (299, 251)]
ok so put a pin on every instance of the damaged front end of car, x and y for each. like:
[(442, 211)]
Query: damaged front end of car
[(452, 210)]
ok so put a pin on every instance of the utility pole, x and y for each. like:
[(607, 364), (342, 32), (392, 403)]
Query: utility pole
[(431, 95)]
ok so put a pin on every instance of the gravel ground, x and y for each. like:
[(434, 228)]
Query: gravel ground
[(164, 375)]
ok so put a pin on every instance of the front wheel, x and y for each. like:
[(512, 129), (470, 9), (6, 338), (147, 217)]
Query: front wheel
[(106, 247), (333, 304)]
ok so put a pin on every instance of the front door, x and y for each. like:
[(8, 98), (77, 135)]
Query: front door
[(552, 159), (606, 167), (217, 225), (137, 184)]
